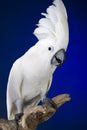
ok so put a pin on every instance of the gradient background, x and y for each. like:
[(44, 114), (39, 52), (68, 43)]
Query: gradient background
[(18, 19)]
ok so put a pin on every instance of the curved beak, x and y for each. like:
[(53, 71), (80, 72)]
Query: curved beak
[(59, 58)]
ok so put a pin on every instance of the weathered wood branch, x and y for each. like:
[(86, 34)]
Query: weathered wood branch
[(31, 119)]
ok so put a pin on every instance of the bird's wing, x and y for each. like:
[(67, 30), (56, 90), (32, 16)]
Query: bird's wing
[(14, 88), (50, 25)]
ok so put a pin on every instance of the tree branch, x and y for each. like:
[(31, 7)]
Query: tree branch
[(36, 115)]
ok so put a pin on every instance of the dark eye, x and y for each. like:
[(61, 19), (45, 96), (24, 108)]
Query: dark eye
[(51, 48)]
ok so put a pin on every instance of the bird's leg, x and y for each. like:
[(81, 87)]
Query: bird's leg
[(19, 114), (48, 101)]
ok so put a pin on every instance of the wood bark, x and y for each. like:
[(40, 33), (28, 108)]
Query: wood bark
[(36, 115)]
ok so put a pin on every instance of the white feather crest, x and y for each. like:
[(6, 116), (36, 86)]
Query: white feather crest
[(47, 27)]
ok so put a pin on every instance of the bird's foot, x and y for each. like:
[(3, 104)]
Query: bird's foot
[(50, 102), (17, 118)]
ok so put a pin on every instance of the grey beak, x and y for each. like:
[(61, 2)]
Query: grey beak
[(58, 58)]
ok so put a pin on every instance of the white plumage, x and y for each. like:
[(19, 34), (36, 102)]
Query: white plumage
[(31, 75), (54, 21)]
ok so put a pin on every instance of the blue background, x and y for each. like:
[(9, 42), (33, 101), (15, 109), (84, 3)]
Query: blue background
[(18, 19)]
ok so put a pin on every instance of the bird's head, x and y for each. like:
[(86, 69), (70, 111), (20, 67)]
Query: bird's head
[(50, 54), (53, 34)]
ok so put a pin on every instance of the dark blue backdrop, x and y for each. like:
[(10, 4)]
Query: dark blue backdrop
[(17, 22)]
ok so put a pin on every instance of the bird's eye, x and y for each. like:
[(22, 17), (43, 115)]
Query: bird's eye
[(51, 48)]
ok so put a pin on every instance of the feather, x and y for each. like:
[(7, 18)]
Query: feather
[(49, 26)]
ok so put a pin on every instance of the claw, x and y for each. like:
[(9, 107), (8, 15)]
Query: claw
[(17, 118), (50, 102)]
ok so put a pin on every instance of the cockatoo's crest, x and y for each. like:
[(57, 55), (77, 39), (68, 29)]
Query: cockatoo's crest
[(50, 26)]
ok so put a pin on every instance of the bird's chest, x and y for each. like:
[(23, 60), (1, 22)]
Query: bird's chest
[(35, 73), (34, 82)]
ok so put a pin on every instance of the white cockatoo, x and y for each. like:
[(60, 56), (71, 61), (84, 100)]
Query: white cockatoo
[(31, 75)]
